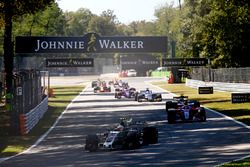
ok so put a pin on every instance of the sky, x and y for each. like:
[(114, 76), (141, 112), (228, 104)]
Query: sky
[(126, 11)]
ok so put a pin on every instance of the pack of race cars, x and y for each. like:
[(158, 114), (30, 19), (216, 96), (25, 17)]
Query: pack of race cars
[(179, 109), (130, 134), (123, 90)]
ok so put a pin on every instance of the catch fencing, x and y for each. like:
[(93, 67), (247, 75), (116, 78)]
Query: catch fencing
[(231, 75), (28, 90), (30, 119), (29, 102)]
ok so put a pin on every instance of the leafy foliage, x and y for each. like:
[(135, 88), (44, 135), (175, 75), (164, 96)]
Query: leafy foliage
[(218, 30)]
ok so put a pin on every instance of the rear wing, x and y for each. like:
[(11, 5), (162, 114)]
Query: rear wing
[(184, 98)]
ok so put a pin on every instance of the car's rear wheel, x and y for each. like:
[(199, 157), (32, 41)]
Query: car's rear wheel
[(202, 113), (92, 142), (171, 116), (170, 104), (132, 141), (150, 135)]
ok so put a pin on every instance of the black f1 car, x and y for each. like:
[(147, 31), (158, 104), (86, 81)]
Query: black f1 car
[(148, 95), (128, 135), (182, 109)]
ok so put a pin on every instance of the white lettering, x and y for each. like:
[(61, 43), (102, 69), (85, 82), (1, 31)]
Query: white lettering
[(125, 44), (38, 46), (44, 45), (60, 45), (112, 45), (104, 43), (52, 44), (119, 45), (81, 45), (133, 44), (140, 44), (69, 45)]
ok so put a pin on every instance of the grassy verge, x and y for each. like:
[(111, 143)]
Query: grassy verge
[(11, 145), (219, 101)]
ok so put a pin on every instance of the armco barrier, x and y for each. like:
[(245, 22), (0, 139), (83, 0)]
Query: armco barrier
[(30, 119), (222, 86)]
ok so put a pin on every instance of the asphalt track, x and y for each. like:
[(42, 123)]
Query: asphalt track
[(204, 144)]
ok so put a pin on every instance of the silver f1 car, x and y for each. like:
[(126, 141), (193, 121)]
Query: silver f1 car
[(148, 95), (128, 135)]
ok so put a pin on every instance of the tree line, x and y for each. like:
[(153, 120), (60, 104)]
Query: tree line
[(215, 29)]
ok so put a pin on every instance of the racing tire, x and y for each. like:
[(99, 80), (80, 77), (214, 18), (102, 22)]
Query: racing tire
[(136, 96), (132, 141), (96, 89), (170, 104), (139, 99), (157, 97), (92, 142), (203, 117), (150, 135), (171, 116)]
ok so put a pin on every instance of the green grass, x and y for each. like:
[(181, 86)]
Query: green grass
[(11, 145), (219, 101), (241, 163)]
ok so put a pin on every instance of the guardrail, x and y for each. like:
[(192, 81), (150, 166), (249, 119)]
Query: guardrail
[(30, 119), (222, 86)]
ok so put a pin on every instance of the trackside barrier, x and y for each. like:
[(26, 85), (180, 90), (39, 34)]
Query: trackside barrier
[(31, 118), (222, 86)]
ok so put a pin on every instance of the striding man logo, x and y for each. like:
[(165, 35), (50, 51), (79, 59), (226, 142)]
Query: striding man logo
[(91, 42)]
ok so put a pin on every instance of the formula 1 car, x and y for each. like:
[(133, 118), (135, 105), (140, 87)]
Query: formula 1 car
[(94, 84), (182, 109), (120, 84), (102, 87), (128, 135), (127, 92), (148, 95)]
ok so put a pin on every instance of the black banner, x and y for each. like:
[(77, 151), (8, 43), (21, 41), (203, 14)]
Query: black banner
[(240, 97), (140, 63), (84, 62), (206, 90), (91, 43), (180, 62)]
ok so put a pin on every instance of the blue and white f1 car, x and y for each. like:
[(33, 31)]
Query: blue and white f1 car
[(148, 95)]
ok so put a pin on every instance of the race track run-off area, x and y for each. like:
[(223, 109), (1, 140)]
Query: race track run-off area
[(209, 143)]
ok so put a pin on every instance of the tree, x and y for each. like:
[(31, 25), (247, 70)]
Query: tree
[(143, 27), (50, 22), (229, 29), (77, 22), (106, 24), (10, 9)]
